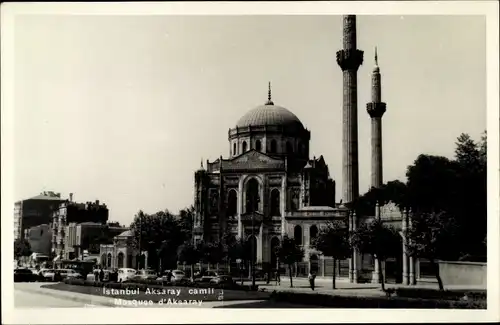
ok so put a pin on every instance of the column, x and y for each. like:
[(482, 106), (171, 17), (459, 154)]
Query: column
[(356, 256), (283, 202), (240, 206), (376, 271), (376, 268), (412, 280), (405, 254), (350, 258)]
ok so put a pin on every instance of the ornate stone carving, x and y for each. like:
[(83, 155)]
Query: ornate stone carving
[(349, 59), (214, 200), (253, 160), (390, 211), (376, 109)]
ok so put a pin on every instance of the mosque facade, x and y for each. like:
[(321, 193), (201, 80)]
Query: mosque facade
[(269, 187)]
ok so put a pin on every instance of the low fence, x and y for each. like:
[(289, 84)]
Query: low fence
[(463, 273)]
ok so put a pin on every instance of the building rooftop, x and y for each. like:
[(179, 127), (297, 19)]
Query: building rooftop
[(128, 233), (269, 115), (317, 208), (47, 196)]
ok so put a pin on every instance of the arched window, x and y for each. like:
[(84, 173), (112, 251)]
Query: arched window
[(244, 146), (252, 196), (289, 147), (103, 260), (232, 203), (120, 260), (297, 234), (252, 243), (294, 199), (234, 148), (258, 145), (273, 146), (275, 244), (313, 233), (275, 202), (302, 147), (109, 259)]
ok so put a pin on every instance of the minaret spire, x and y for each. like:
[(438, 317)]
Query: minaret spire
[(269, 101), (376, 109), (349, 59)]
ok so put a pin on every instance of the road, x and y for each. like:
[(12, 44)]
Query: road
[(30, 295), (29, 299)]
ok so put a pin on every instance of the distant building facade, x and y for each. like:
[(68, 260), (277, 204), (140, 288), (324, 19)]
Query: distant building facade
[(122, 253), (87, 237), (69, 212), (34, 211), (40, 239)]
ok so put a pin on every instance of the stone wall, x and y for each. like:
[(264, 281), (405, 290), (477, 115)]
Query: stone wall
[(463, 273)]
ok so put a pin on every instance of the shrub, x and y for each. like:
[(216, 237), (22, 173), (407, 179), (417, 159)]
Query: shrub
[(436, 294), (373, 302), (142, 285)]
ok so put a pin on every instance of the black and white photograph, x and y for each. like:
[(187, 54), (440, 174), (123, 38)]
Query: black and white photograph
[(238, 159)]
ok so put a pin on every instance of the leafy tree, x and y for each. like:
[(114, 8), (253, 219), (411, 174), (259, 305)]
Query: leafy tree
[(189, 254), (240, 249), (432, 183), (430, 236), (22, 248), (333, 241), (186, 220), (377, 239), (214, 253), (114, 224), (472, 201), (290, 253), (159, 234), (229, 242), (394, 191)]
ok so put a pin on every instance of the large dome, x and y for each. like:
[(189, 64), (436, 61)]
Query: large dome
[(269, 115)]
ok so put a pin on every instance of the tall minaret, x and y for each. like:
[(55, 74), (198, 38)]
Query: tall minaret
[(349, 59), (376, 109)]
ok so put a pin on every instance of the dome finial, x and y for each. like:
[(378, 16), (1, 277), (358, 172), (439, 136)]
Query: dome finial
[(269, 101), (376, 57)]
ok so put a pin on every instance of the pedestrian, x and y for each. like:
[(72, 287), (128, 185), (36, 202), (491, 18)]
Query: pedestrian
[(101, 275), (311, 277), (278, 278), (96, 274)]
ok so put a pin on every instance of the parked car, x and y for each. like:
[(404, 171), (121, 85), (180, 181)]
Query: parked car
[(222, 279), (126, 274), (71, 274), (146, 275), (173, 276), (178, 276), (47, 274), (207, 276), (24, 275)]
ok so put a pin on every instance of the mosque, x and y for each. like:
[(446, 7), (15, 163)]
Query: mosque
[(269, 187)]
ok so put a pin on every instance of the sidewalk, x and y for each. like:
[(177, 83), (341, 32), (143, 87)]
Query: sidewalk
[(345, 288)]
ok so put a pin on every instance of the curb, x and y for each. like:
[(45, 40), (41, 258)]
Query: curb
[(54, 293)]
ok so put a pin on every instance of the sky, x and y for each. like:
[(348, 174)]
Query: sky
[(123, 108)]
